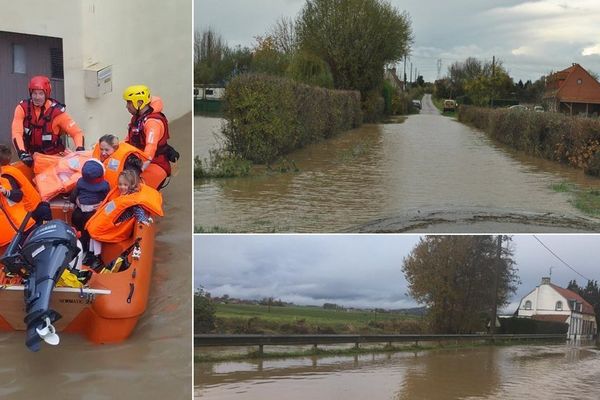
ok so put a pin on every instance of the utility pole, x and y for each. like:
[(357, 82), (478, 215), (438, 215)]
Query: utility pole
[(493, 76), (496, 283), (411, 78), (404, 75), (439, 67)]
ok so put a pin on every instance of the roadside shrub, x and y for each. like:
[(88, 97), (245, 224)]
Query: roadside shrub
[(221, 165), (204, 312), (270, 116), (570, 140), (373, 107)]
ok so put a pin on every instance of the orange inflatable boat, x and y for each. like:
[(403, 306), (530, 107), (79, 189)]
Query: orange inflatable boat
[(108, 307)]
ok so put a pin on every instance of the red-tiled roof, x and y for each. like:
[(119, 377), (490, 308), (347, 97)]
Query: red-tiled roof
[(571, 295), (573, 84)]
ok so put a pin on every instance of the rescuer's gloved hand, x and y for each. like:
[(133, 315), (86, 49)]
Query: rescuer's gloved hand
[(26, 158)]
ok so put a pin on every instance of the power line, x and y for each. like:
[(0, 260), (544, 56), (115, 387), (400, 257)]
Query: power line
[(560, 259)]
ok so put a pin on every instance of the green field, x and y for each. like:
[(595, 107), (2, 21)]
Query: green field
[(245, 318)]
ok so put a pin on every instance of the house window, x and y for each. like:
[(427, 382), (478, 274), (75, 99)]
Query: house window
[(579, 81), (559, 306), (56, 63), (527, 305), (19, 62)]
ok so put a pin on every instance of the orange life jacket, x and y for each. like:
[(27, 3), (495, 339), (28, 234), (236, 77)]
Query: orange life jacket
[(137, 137), (38, 135), (114, 164), (31, 197), (11, 216), (102, 226), (59, 174)]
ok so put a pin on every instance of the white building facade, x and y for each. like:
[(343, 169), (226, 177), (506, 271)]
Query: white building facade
[(552, 303), (131, 42)]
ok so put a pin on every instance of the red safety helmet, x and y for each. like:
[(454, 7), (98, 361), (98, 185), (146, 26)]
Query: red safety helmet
[(40, 82)]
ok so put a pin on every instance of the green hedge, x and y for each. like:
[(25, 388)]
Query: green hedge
[(554, 136), (516, 325), (270, 116)]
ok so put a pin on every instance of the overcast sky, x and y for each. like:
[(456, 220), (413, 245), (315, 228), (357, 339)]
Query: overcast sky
[(360, 270), (532, 38)]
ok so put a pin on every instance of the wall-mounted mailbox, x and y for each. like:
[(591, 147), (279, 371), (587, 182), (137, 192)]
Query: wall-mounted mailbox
[(98, 80)]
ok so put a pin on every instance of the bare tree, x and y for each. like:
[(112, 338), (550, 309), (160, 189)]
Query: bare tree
[(283, 34)]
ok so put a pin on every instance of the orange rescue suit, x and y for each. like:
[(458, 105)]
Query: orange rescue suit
[(51, 122), (103, 227), (113, 165), (11, 216)]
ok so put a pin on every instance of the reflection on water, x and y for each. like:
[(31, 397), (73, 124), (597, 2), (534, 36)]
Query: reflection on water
[(531, 372), (378, 171)]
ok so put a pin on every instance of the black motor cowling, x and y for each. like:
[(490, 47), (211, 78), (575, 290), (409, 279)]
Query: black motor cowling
[(45, 253)]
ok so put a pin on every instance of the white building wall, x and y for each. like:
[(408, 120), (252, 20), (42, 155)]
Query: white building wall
[(146, 42), (543, 301)]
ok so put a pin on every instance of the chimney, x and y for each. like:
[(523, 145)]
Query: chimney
[(545, 280)]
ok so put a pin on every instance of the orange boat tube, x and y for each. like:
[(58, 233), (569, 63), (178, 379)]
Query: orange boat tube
[(108, 308)]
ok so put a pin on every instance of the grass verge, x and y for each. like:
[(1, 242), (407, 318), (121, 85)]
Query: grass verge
[(586, 200)]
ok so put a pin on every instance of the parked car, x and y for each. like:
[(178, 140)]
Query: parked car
[(416, 104), (449, 105), (519, 107)]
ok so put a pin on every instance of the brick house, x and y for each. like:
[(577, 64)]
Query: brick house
[(573, 91), (549, 302)]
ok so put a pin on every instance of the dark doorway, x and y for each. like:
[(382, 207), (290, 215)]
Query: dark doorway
[(24, 56)]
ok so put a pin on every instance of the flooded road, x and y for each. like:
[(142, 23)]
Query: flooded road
[(428, 162), (155, 362), (516, 372)]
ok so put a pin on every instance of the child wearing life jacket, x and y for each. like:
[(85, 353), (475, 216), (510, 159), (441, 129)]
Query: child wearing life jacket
[(90, 191), (129, 182), (126, 201), (21, 188)]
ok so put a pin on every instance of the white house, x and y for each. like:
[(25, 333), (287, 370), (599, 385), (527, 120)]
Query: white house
[(549, 302), (92, 50)]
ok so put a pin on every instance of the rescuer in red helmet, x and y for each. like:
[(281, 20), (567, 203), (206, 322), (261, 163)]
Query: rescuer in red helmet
[(40, 121)]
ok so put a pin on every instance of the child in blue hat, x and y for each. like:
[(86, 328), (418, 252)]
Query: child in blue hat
[(90, 191)]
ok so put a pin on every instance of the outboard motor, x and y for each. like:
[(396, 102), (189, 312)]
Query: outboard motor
[(44, 255)]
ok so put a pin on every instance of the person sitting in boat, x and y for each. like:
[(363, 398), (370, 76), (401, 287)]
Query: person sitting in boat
[(149, 131), (118, 156), (12, 213), (130, 202), (21, 188), (39, 122), (89, 193)]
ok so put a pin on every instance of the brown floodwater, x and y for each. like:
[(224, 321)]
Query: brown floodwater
[(381, 171), (517, 372), (156, 361)]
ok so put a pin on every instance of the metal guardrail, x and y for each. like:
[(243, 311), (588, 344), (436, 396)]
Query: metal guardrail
[(209, 340)]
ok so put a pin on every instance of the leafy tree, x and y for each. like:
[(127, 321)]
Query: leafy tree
[(460, 279), (267, 58), (310, 69), (204, 312), (356, 38)]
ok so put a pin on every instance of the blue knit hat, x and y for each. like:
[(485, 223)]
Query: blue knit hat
[(92, 170)]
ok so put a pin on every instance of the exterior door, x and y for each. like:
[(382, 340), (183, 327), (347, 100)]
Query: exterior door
[(21, 57)]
